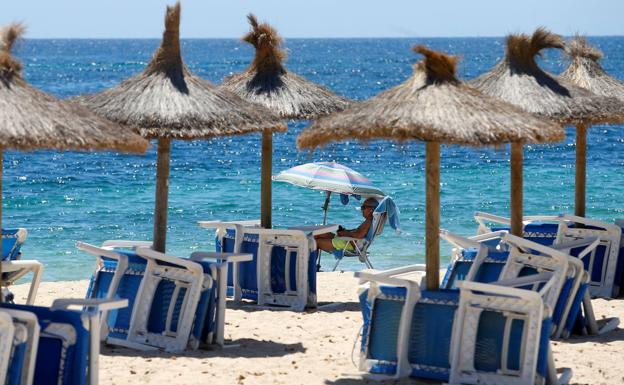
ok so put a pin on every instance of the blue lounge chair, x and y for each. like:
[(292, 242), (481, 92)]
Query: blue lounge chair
[(25, 344), (68, 345), (483, 258), (605, 264), (386, 211), (492, 333), (13, 267), (283, 269), (7, 331), (174, 303)]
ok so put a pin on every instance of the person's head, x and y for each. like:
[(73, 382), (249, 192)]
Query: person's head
[(368, 206)]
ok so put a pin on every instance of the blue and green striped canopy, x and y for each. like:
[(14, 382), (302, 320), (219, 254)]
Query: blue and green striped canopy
[(329, 176)]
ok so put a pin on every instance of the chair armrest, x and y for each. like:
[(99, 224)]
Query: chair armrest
[(113, 243), (97, 304), (225, 257), (489, 288), (149, 253), (389, 276), (229, 224), (97, 251), (316, 230), (458, 240), (590, 242)]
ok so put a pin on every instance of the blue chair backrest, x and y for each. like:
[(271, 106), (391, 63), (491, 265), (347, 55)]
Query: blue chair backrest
[(119, 319), (63, 352), (431, 331), (248, 270), (12, 240)]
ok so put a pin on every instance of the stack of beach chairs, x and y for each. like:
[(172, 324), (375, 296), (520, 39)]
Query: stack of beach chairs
[(502, 299)]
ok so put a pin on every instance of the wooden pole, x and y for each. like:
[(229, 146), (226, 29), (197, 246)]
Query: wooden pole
[(581, 170), (162, 193), (432, 220), (265, 179), (516, 189)]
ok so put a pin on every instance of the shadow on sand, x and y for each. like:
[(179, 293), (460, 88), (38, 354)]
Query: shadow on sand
[(245, 347), (325, 307)]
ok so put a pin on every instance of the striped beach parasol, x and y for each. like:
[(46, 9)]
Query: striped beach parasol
[(330, 177)]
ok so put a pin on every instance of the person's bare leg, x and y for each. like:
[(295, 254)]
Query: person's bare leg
[(325, 244), (324, 236)]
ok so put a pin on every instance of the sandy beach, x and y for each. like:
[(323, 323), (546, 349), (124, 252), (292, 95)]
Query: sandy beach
[(314, 347)]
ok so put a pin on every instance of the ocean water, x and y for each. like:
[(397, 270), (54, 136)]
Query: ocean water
[(65, 197)]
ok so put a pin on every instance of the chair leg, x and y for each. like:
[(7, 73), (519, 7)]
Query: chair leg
[(337, 263)]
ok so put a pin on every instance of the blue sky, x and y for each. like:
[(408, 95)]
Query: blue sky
[(316, 18)]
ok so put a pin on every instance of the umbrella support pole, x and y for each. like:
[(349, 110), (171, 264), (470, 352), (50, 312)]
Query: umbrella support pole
[(432, 219), (325, 208), (581, 170), (516, 189), (265, 179), (162, 193)]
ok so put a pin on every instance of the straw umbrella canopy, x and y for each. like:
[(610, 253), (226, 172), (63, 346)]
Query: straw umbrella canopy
[(435, 107), (517, 79), (267, 82), (168, 102), (31, 119), (585, 71)]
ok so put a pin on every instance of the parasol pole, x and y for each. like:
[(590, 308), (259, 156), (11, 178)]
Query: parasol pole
[(581, 173), (325, 208), (162, 193), (432, 215)]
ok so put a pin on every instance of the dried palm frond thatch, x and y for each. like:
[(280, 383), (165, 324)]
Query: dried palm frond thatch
[(432, 105), (517, 79), (267, 82), (168, 101), (585, 71), (31, 119)]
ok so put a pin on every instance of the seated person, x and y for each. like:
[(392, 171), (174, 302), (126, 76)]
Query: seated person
[(331, 242)]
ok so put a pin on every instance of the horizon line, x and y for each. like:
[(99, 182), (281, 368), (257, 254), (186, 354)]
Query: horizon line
[(296, 37)]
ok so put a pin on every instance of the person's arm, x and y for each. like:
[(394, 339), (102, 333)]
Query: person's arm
[(359, 233)]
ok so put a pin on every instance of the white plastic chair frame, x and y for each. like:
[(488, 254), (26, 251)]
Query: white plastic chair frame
[(184, 273), (108, 250), (7, 331), (462, 340), (92, 310), (17, 268), (29, 325), (299, 240), (610, 236), (575, 270)]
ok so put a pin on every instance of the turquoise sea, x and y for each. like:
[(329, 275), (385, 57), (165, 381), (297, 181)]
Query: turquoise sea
[(65, 197)]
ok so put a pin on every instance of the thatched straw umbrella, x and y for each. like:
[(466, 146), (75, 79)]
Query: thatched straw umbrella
[(267, 82), (517, 79), (168, 102), (585, 71), (31, 119), (435, 107)]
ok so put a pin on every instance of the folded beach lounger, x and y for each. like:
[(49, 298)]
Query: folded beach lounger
[(67, 347), (481, 333), (174, 303), (283, 269), (605, 264), (13, 267), (483, 258), (24, 350), (386, 211)]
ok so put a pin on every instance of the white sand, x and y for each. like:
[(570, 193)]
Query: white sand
[(315, 347)]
